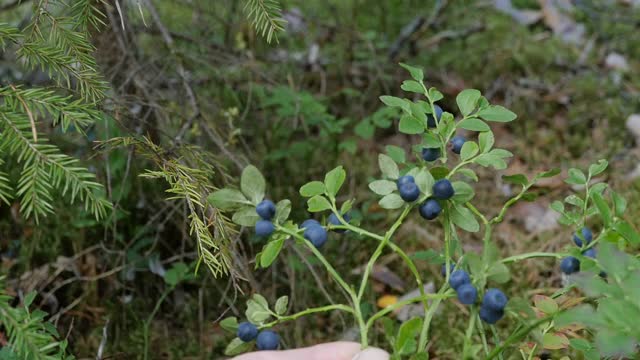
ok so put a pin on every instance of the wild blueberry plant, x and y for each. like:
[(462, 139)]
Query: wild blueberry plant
[(435, 185)]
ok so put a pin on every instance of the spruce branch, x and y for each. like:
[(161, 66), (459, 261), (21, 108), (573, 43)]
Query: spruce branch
[(266, 17)]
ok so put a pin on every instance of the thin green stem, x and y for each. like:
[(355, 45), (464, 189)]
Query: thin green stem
[(496, 339), (477, 213), (530, 255), (467, 338), (295, 316), (147, 323), (515, 337), (483, 337)]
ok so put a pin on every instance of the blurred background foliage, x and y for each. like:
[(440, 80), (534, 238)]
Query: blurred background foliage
[(195, 80)]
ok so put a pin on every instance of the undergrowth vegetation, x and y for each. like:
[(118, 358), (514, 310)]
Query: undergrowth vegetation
[(119, 119)]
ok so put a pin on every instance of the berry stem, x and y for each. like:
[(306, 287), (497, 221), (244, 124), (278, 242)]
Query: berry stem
[(466, 352), (530, 255), (517, 336), (404, 303), (327, 308)]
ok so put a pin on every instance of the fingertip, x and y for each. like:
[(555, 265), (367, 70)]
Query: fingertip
[(372, 354)]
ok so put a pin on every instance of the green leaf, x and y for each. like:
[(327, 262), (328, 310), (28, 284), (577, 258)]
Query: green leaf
[(469, 150), (281, 305), (516, 179), (598, 167), (463, 192), (237, 347), (383, 187), (257, 309), (252, 184), (176, 274), (434, 94), (486, 141), (393, 101), (576, 177), (545, 304), (467, 100), (227, 199), (425, 181), (603, 208), (412, 86), (318, 203), (628, 232), (246, 216), (405, 340), (430, 140), (464, 218), (283, 209), (431, 256), (365, 129), (312, 188), (270, 252), (499, 273), (411, 125), (497, 113), (391, 201), (468, 173), (396, 153), (619, 203), (334, 180), (554, 341), (580, 344), (388, 167), (230, 324), (416, 73), (473, 124)]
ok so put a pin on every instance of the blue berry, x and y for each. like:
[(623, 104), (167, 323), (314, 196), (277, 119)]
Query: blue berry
[(456, 144), (490, 316), (409, 192), (309, 222), (443, 189), (430, 209), (431, 121), (494, 299), (591, 252), (570, 265), (266, 209), (247, 331), (333, 220), (458, 278), (268, 340), (316, 234), (443, 269), (404, 180), (430, 154), (467, 294), (587, 235), (264, 228)]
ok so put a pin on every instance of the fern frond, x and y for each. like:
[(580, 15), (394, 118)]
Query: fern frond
[(46, 167), (266, 17)]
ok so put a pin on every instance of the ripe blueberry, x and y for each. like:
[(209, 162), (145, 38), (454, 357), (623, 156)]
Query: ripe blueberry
[(570, 265), (495, 300), (456, 144), (591, 252), (430, 209), (404, 180), (458, 278), (247, 331), (586, 235), (264, 228), (443, 270), (309, 222), (467, 294), (266, 209), (333, 220), (409, 192), (316, 234), (268, 340), (443, 189), (430, 154), (490, 316), (431, 121)]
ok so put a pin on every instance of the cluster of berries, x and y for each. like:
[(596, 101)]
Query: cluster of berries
[(493, 302), (431, 208), (432, 154), (570, 264), (265, 339), (266, 210)]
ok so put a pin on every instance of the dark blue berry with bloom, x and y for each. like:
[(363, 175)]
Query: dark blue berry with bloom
[(456, 144), (266, 209), (591, 252), (587, 235), (247, 331), (467, 294), (309, 222), (443, 269), (430, 209), (430, 154), (264, 228), (458, 278), (495, 299), (316, 234), (405, 180), (268, 340), (409, 192), (333, 220), (490, 316), (570, 265), (442, 189), (431, 120)]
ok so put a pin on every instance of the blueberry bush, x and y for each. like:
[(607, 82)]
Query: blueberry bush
[(435, 181)]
